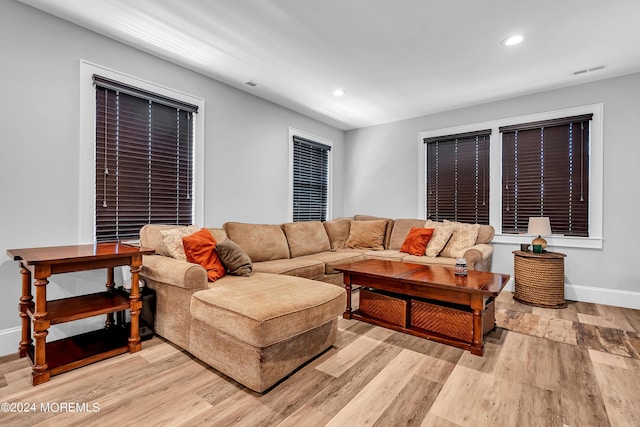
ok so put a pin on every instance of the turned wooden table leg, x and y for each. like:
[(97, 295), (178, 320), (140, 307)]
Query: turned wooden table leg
[(111, 284), (135, 305), (41, 326), (26, 304), (476, 308), (347, 286)]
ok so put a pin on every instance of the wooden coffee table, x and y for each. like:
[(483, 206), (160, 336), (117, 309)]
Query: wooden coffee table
[(427, 301)]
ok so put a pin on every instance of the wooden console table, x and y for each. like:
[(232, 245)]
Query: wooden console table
[(52, 358)]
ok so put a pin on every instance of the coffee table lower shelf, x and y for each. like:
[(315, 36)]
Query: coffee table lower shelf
[(412, 330), (446, 323)]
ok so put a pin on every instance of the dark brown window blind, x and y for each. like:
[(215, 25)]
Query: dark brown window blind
[(144, 161), (310, 180), (546, 173), (457, 187)]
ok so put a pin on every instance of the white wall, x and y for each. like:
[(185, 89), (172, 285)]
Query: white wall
[(381, 178), (246, 146)]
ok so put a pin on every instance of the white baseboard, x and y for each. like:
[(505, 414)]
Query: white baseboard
[(9, 340), (614, 297), (10, 337)]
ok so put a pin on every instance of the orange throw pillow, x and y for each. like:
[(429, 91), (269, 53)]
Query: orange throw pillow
[(416, 241), (200, 249)]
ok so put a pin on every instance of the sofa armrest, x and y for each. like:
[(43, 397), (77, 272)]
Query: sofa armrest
[(479, 257), (174, 272)]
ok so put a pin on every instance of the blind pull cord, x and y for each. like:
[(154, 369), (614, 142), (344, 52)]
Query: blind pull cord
[(106, 167)]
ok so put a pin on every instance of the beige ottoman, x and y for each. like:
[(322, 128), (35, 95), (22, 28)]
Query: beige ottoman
[(259, 329)]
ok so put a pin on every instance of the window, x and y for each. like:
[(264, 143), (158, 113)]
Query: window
[(587, 137), (144, 160), (310, 177), (545, 172), (457, 177)]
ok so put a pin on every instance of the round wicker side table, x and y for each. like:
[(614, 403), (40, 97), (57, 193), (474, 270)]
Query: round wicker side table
[(539, 279)]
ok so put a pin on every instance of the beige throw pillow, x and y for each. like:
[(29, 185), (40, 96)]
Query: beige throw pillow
[(172, 239), (464, 236), (441, 235), (367, 235)]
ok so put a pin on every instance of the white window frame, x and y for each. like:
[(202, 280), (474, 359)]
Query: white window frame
[(596, 173), (87, 143), (327, 142)]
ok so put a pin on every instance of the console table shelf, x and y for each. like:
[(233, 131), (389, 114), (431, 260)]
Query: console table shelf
[(80, 350), (82, 307), (51, 358)]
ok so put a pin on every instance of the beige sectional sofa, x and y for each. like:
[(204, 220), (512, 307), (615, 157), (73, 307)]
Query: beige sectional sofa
[(260, 328), (314, 249)]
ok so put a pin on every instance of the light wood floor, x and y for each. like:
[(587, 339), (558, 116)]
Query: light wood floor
[(577, 367)]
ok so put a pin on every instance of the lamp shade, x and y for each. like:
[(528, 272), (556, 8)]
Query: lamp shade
[(539, 226)]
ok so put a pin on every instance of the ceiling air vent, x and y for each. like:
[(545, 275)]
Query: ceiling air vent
[(251, 83), (588, 70)]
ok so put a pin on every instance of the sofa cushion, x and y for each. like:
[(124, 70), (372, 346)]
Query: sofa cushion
[(390, 222), (262, 242), (400, 230), (367, 234), (218, 234), (440, 260), (172, 239), (150, 237), (301, 267), (441, 235), (386, 255), (199, 248), (306, 238), (338, 232), (333, 259), (464, 236), (234, 258), (416, 241), (265, 309)]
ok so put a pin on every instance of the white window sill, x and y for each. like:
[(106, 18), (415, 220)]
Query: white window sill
[(555, 241)]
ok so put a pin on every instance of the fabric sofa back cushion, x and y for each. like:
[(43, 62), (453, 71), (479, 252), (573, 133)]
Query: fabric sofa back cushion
[(306, 238), (387, 234), (401, 228), (262, 242), (367, 234), (150, 236), (338, 232)]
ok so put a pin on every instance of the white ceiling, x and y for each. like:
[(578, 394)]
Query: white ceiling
[(395, 59)]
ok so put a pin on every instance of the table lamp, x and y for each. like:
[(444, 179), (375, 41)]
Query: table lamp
[(539, 225)]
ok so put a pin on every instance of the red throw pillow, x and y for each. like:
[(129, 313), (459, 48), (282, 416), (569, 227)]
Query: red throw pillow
[(200, 249), (416, 241)]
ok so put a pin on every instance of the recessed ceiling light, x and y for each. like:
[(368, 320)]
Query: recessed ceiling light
[(513, 40), (338, 92)]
